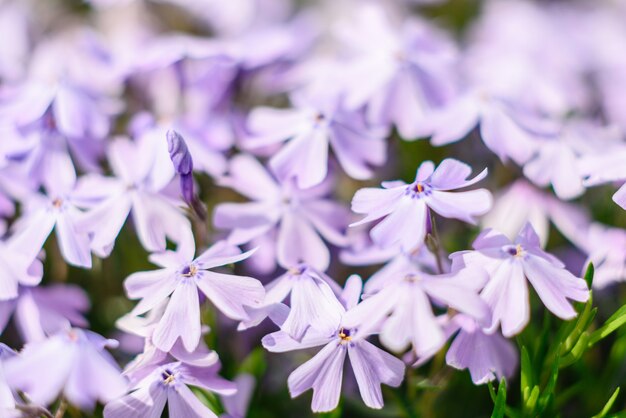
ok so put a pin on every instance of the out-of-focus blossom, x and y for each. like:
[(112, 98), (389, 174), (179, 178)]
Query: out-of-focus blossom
[(17, 267), (142, 170), (400, 72), (606, 167), (58, 211), (40, 311), (7, 399), (179, 279), (487, 356), (510, 264), (406, 208), (606, 249), (310, 128), (324, 372), (169, 384), (236, 405), (287, 223), (72, 363)]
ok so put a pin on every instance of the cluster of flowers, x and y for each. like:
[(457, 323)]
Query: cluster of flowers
[(109, 118)]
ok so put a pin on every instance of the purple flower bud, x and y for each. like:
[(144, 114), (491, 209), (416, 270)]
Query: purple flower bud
[(183, 164)]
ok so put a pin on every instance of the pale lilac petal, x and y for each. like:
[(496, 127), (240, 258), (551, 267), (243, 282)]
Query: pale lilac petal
[(313, 304), (94, 377), (328, 218), (276, 125), (74, 245), (452, 174), (145, 402), (33, 233), (459, 297), (555, 285), (376, 203), (620, 196), (507, 294), (372, 367), (305, 158), (248, 177), (454, 122), (243, 215), (424, 171), (230, 293), (299, 242), (323, 373), (406, 224), (209, 260), (207, 378), (183, 310), (151, 286), (465, 206), (105, 221), (280, 341), (25, 372), (181, 402), (352, 291), (488, 357)]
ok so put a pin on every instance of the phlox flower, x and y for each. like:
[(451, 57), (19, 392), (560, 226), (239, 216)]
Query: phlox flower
[(287, 223), (311, 127), (169, 384), (72, 363), (509, 265), (398, 300), (312, 300), (142, 169), (324, 372), (400, 71), (180, 277), (39, 311), (17, 267), (406, 207)]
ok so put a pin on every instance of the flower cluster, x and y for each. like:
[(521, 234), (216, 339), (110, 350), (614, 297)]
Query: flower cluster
[(237, 146)]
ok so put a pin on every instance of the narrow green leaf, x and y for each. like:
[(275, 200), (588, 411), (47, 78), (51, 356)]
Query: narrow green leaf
[(589, 275), (526, 374), (531, 403), (613, 323), (577, 352), (548, 392), (500, 402), (609, 405)]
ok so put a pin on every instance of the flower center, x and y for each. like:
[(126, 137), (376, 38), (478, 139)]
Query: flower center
[(167, 376), (516, 251), (189, 271), (57, 203), (344, 335)]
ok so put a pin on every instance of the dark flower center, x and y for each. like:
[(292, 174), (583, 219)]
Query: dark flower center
[(167, 376), (189, 270), (344, 335)]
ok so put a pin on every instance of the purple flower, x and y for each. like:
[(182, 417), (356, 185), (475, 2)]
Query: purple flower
[(605, 167), (179, 279), (40, 311), (498, 120), (324, 372), (405, 208), (56, 211), (312, 300), (289, 222), (398, 301), (509, 265), (399, 70), (142, 170), (310, 128), (72, 363), (169, 384), (487, 356)]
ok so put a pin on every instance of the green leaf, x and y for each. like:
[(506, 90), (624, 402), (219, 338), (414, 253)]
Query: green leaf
[(613, 323), (548, 392), (589, 275), (500, 402), (609, 405), (526, 374), (577, 352), (531, 403)]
